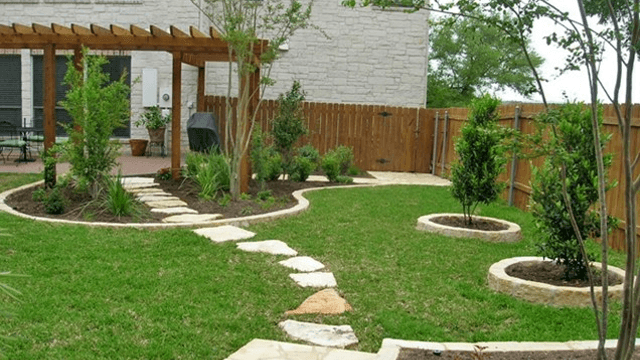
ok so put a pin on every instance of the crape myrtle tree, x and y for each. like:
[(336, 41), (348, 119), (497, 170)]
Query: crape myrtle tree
[(242, 23), (618, 32)]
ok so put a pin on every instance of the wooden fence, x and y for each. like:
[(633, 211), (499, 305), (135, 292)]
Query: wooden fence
[(386, 138)]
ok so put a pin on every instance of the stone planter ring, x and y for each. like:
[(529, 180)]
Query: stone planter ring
[(510, 233)]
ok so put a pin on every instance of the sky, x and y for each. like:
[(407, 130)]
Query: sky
[(575, 83)]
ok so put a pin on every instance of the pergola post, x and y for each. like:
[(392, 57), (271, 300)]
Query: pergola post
[(49, 105), (175, 114), (201, 85)]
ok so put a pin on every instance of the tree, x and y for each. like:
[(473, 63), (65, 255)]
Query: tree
[(288, 124), (469, 56), (241, 23), (481, 160)]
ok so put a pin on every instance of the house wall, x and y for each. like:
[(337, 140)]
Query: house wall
[(372, 56)]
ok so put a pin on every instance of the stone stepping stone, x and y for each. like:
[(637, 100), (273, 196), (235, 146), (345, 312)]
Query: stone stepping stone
[(191, 218), (137, 180), (327, 301), (166, 204), (139, 186), (174, 210), (225, 233), (302, 263), (318, 334), (275, 247), (316, 279), (155, 197), (140, 191)]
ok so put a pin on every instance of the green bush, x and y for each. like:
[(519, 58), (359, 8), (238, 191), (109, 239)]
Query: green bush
[(480, 158), (117, 200), (343, 179), (264, 195), (301, 168), (331, 166), (345, 157), (288, 125), (311, 153), (54, 203), (39, 195), (570, 146), (353, 170), (210, 171), (265, 161)]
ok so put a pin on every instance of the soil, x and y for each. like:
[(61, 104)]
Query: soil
[(477, 224), (418, 354), (553, 274), (79, 207)]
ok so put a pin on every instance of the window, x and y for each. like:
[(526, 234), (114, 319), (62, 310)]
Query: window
[(115, 67), (11, 89)]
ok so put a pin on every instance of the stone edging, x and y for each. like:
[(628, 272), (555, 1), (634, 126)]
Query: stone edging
[(391, 347), (425, 223), (302, 205), (536, 292)]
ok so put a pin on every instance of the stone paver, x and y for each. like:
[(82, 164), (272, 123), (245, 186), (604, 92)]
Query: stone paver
[(140, 191), (274, 247), (137, 180), (166, 203), (130, 187), (317, 279), (318, 334), (408, 178), (225, 233), (157, 197), (175, 210), (302, 263), (259, 349), (191, 218), (327, 301)]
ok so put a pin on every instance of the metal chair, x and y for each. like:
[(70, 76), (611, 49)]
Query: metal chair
[(10, 140)]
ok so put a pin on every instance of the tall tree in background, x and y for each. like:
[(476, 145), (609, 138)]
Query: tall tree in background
[(470, 56)]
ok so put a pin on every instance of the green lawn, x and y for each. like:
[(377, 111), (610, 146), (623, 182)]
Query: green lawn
[(117, 293)]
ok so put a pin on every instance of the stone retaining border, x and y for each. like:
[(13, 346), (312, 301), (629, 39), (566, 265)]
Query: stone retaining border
[(541, 293), (303, 204), (391, 347), (511, 234)]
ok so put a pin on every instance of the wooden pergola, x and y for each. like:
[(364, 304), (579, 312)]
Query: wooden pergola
[(193, 48)]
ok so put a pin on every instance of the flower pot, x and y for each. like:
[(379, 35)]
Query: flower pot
[(156, 136), (138, 146)]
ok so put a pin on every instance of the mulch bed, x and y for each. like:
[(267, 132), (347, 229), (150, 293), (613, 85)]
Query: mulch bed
[(553, 274), (417, 354), (80, 208), (477, 224)]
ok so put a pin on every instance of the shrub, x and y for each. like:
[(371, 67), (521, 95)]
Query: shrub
[(343, 179), (117, 200), (211, 172), (480, 158), (311, 153), (353, 170), (288, 124), (39, 195), (570, 146), (345, 157), (264, 194), (54, 203), (331, 166), (266, 162), (301, 168)]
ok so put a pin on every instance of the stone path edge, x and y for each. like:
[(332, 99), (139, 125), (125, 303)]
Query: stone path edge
[(391, 347), (303, 204)]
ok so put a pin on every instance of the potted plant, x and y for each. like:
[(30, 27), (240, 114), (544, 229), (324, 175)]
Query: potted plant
[(155, 123)]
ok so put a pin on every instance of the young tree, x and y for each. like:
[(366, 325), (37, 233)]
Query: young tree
[(288, 124), (469, 56), (480, 158), (242, 23), (97, 107)]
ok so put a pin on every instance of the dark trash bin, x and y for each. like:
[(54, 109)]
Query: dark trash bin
[(203, 132)]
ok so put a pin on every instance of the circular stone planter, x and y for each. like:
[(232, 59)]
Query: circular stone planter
[(511, 234), (541, 293)]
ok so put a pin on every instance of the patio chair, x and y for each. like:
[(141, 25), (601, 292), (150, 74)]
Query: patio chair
[(10, 140)]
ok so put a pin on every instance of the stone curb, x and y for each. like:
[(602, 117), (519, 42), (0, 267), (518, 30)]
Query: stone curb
[(391, 347), (303, 204), (540, 293), (512, 234)]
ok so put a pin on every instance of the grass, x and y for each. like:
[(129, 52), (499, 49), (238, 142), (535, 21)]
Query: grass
[(123, 293), (11, 180)]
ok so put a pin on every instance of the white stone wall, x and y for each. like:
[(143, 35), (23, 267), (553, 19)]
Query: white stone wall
[(372, 56)]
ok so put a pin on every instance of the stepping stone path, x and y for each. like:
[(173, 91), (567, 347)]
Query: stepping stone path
[(324, 335), (327, 301), (316, 279), (302, 263), (274, 247), (225, 233), (146, 191)]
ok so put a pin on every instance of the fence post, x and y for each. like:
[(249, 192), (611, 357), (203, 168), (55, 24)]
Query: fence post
[(514, 160), (444, 142), (435, 145)]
